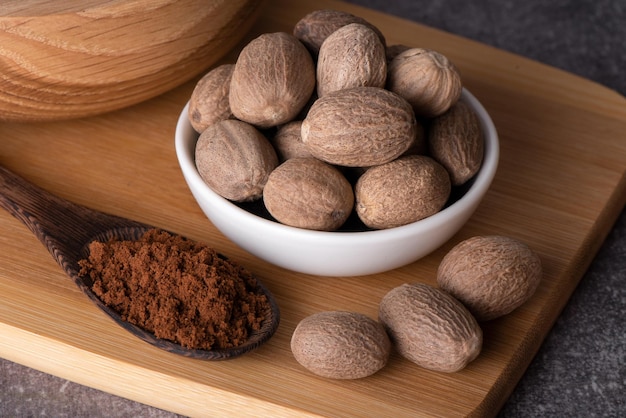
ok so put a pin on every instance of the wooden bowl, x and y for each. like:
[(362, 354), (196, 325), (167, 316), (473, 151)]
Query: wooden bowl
[(74, 58)]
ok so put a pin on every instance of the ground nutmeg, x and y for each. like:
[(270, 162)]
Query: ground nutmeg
[(178, 289)]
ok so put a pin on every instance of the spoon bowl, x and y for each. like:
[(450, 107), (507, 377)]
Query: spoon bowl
[(66, 229)]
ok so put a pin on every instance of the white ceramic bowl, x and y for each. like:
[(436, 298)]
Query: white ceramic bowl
[(337, 253)]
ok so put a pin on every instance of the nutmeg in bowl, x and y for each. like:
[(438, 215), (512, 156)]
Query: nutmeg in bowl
[(351, 250)]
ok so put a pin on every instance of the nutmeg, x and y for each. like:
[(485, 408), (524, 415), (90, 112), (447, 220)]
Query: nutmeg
[(456, 141), (491, 275), (316, 26), (308, 193), (427, 79), (340, 345), (431, 328), (209, 101), (402, 191), (359, 127), (235, 160), (352, 56), (273, 78), (288, 143)]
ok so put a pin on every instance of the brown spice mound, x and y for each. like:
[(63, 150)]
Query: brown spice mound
[(177, 289)]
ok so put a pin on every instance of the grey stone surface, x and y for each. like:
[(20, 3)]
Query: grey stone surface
[(579, 370)]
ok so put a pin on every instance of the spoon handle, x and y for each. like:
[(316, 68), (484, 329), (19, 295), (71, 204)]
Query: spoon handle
[(62, 226)]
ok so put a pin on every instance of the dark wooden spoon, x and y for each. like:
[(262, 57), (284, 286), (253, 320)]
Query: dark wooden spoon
[(66, 229)]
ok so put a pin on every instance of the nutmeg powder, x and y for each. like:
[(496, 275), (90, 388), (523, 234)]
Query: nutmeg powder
[(178, 289)]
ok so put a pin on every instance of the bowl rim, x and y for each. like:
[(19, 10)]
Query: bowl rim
[(481, 183)]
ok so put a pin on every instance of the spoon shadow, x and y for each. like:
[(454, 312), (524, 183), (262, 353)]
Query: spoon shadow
[(66, 229)]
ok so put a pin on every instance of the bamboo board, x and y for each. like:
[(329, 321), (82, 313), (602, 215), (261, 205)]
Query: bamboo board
[(560, 187)]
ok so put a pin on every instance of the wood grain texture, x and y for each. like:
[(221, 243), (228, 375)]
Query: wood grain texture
[(61, 60), (560, 186)]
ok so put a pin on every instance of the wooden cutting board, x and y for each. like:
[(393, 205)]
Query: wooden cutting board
[(560, 187)]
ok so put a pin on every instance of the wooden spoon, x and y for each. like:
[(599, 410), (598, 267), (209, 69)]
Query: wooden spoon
[(66, 229)]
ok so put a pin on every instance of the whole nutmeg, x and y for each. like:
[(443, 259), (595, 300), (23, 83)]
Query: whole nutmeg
[(427, 79), (209, 101), (273, 78), (430, 327), (455, 140), (491, 275), (340, 345), (359, 127), (308, 193), (352, 56), (234, 159), (316, 26), (402, 191), (288, 143)]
